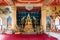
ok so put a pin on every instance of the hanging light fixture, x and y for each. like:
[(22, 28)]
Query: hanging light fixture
[(29, 6)]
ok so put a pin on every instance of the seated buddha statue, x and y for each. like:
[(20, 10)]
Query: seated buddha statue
[(28, 25), (28, 20)]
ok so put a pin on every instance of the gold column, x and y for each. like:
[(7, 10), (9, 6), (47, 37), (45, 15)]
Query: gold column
[(43, 18), (13, 16)]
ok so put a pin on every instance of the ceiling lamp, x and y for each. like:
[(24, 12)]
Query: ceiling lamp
[(29, 6)]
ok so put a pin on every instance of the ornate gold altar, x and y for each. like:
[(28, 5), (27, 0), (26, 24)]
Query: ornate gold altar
[(28, 25)]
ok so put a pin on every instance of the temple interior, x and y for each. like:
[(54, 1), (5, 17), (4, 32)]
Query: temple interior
[(29, 17), (24, 17), (20, 20)]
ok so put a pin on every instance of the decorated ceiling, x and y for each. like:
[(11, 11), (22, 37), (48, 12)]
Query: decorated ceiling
[(20, 2), (26, 1)]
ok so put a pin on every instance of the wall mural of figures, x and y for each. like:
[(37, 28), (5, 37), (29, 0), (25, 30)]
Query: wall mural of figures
[(57, 22), (48, 21), (53, 22), (9, 21), (6, 18)]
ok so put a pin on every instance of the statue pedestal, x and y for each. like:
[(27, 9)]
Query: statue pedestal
[(28, 28)]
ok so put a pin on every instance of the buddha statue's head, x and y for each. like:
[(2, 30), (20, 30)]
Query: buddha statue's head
[(28, 16), (28, 20)]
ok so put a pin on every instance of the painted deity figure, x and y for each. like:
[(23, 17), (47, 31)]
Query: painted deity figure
[(57, 22)]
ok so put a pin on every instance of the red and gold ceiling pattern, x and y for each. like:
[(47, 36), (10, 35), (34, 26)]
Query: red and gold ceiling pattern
[(54, 2), (6, 2), (26, 1)]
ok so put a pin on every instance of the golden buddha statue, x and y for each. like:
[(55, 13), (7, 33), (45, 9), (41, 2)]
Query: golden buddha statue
[(28, 20), (28, 25)]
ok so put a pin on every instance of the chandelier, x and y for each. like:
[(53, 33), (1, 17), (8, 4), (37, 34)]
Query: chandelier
[(29, 6)]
